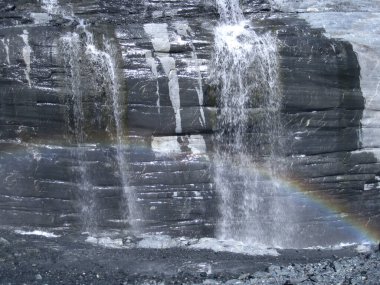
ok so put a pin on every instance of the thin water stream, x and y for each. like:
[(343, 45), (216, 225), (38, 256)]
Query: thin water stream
[(81, 53)]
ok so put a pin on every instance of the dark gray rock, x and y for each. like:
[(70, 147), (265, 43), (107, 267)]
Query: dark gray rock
[(170, 160), (4, 242)]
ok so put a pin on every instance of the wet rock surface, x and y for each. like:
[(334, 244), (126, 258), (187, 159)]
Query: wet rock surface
[(69, 260), (325, 5), (164, 49)]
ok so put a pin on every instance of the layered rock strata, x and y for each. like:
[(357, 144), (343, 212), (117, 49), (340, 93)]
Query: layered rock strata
[(170, 108)]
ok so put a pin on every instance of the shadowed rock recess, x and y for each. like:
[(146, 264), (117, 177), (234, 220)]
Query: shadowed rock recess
[(108, 119)]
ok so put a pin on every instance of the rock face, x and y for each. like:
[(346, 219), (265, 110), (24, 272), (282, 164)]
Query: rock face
[(162, 52)]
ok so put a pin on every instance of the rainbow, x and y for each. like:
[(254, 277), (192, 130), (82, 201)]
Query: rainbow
[(362, 225)]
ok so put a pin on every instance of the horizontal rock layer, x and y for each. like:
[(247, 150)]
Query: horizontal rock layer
[(164, 50)]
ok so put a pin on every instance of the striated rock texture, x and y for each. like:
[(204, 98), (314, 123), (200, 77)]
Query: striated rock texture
[(163, 52), (162, 57)]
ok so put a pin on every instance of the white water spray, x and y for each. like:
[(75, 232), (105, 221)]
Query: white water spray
[(51, 6), (245, 68)]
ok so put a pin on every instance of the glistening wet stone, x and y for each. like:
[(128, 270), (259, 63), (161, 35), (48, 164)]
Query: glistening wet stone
[(171, 167)]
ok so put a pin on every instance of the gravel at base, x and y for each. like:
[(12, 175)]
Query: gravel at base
[(69, 260), (361, 269)]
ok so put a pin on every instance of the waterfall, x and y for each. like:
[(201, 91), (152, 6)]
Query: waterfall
[(26, 51), (245, 69), (72, 51), (229, 11), (6, 48), (131, 212), (84, 56)]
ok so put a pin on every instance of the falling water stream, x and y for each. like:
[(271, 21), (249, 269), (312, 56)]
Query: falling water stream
[(72, 55), (248, 161), (245, 68), (81, 54)]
